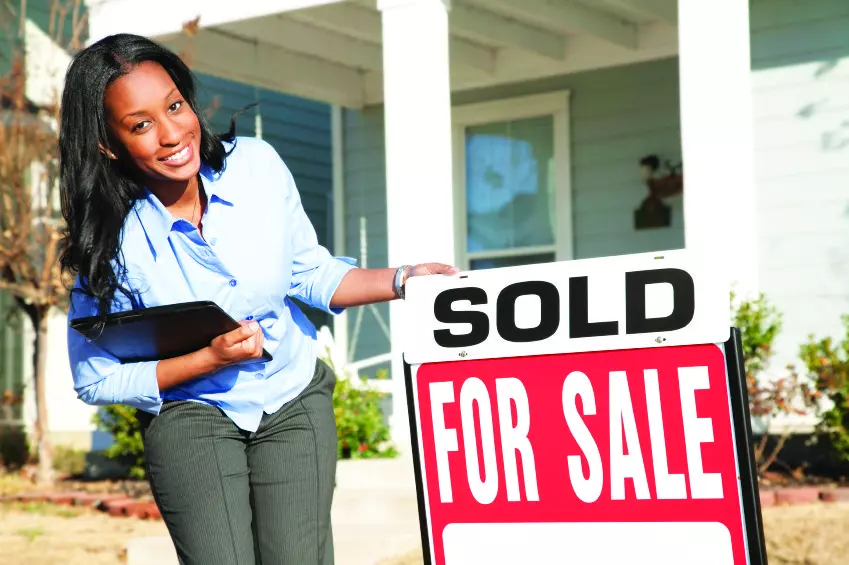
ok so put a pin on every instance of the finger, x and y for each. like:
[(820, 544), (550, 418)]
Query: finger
[(250, 345), (240, 334), (246, 347), (434, 269), (446, 269)]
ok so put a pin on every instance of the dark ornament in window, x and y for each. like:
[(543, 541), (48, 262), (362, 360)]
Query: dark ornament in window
[(653, 211)]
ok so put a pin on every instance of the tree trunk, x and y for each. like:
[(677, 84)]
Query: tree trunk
[(42, 439)]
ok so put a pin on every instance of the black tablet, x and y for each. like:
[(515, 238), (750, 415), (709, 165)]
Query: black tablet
[(159, 332)]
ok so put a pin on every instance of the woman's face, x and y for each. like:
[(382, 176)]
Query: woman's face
[(157, 128)]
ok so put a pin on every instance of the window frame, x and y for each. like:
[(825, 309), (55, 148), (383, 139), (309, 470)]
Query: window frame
[(554, 104)]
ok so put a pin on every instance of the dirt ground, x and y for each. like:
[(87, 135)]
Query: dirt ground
[(44, 534), (795, 535)]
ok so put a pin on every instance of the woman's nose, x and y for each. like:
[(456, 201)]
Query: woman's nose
[(169, 133)]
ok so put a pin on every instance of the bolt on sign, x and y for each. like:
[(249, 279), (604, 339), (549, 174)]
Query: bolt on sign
[(590, 411)]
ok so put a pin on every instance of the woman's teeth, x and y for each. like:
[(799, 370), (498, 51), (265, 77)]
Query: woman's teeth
[(179, 155)]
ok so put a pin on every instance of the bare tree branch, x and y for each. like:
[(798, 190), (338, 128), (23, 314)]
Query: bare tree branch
[(30, 212)]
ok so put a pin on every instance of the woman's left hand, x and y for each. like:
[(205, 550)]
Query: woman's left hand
[(432, 269)]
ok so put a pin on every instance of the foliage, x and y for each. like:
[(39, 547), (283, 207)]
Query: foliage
[(14, 446), (69, 461), (123, 425), (362, 431), (827, 363), (759, 324)]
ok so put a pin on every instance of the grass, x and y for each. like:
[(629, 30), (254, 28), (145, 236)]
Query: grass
[(30, 533)]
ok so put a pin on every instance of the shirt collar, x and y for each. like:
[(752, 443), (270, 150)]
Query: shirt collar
[(155, 219)]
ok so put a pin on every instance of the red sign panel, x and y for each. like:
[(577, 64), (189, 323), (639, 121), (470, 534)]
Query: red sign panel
[(602, 457)]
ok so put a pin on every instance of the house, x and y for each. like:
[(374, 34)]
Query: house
[(501, 132)]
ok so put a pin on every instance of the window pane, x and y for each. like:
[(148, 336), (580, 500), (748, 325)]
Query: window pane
[(510, 184), (495, 262)]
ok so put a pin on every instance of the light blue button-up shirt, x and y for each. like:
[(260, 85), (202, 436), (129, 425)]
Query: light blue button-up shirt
[(258, 249)]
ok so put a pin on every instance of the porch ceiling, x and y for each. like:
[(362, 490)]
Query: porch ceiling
[(331, 50)]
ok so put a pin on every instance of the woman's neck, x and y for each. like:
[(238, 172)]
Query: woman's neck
[(173, 194), (182, 199)]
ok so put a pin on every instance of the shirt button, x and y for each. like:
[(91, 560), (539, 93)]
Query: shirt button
[(259, 375), (232, 282), (213, 241)]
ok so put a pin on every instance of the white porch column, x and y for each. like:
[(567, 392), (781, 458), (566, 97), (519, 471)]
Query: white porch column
[(716, 136), (419, 194)]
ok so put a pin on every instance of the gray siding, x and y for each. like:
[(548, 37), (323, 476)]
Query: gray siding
[(800, 67), (298, 129), (365, 200)]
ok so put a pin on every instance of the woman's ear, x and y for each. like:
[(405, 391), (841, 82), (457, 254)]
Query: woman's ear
[(107, 152)]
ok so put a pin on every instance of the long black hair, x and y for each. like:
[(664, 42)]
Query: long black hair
[(98, 193)]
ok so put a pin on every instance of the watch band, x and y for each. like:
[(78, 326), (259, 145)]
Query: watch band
[(400, 280)]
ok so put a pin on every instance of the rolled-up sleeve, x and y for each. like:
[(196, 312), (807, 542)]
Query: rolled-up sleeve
[(316, 273), (100, 378)]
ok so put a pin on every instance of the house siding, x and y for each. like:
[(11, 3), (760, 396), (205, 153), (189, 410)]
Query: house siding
[(800, 80), (365, 208), (617, 115), (299, 130)]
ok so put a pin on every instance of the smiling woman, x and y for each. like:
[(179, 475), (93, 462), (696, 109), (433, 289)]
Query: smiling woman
[(240, 451)]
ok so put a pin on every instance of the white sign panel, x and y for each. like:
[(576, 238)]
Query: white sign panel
[(625, 302)]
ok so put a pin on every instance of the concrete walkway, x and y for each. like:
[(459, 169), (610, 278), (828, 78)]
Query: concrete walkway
[(375, 516)]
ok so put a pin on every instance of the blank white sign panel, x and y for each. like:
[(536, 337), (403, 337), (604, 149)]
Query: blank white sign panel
[(650, 543)]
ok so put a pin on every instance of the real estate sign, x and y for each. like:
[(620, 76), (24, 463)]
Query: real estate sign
[(587, 411)]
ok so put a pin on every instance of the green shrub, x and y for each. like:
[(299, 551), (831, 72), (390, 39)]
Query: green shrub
[(827, 362), (69, 461), (14, 447), (121, 423), (759, 323), (362, 430)]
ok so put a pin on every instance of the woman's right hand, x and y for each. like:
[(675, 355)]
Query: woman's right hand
[(241, 344)]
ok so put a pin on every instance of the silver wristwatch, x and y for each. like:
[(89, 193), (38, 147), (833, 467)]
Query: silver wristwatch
[(400, 280)]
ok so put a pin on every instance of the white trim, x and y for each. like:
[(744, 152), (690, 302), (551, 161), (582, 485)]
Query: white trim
[(666, 10), (225, 55), (555, 104), (572, 18), (512, 252), (340, 321), (657, 41), (360, 21), (289, 33), (490, 28), (417, 122), (154, 18), (719, 121)]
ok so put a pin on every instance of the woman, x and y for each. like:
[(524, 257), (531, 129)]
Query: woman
[(240, 453)]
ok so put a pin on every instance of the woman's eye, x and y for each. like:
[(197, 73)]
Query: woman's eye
[(175, 106), (140, 126)]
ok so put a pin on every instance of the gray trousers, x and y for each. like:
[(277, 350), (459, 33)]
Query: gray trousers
[(229, 497)]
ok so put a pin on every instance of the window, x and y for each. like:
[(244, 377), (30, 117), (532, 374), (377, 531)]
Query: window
[(512, 182)]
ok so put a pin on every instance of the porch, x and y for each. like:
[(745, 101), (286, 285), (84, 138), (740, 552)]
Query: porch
[(431, 100)]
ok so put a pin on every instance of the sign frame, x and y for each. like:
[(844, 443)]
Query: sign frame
[(743, 442)]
